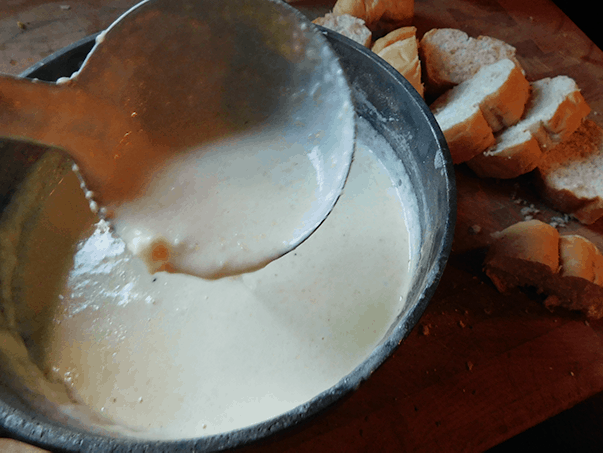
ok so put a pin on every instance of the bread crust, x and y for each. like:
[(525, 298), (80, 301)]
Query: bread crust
[(524, 254), (400, 48), (532, 241), (403, 57), (394, 36), (379, 15)]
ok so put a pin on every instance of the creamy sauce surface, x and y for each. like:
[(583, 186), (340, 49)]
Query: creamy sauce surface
[(171, 356)]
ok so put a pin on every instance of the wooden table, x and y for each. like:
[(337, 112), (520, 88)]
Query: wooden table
[(481, 367)]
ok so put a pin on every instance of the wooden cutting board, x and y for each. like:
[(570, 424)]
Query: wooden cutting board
[(481, 366)]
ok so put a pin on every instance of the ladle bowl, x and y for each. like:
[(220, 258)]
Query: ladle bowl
[(180, 83)]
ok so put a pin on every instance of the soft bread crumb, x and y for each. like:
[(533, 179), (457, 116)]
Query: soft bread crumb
[(560, 221), (349, 26), (528, 212), (475, 229), (568, 269)]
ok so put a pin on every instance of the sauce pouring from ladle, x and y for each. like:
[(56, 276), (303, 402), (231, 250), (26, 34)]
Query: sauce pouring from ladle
[(216, 135)]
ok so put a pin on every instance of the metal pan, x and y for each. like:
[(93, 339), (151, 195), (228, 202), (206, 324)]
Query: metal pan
[(400, 115)]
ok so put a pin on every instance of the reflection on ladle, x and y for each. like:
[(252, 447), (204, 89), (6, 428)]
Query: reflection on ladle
[(217, 135)]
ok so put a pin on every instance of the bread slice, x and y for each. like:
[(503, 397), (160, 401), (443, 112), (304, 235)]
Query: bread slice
[(515, 152), (500, 90), (450, 57), (578, 285), (400, 48), (568, 269), (570, 176), (379, 15), (555, 110), (400, 34), (349, 26), (466, 131), (579, 257), (493, 98), (524, 254)]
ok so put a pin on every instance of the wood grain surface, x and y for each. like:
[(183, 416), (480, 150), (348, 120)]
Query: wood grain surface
[(480, 367)]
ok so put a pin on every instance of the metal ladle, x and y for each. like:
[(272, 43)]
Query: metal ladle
[(171, 75)]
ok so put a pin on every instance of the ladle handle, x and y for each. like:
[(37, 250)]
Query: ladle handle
[(30, 110), (95, 134)]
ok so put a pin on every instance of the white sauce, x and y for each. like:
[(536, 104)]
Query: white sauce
[(230, 208), (170, 356)]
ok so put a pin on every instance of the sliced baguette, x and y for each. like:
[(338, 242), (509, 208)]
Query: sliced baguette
[(570, 176), (555, 110), (400, 48), (379, 15), (349, 26), (568, 269), (450, 57), (471, 112)]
